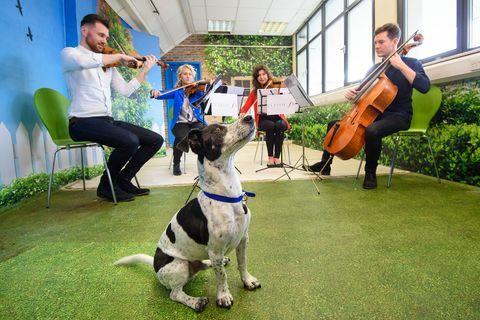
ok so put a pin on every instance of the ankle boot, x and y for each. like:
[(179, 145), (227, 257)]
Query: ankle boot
[(124, 182), (176, 169), (104, 191), (370, 181)]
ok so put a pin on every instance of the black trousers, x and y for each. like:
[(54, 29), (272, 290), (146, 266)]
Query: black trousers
[(386, 124), (274, 128), (133, 145), (180, 131)]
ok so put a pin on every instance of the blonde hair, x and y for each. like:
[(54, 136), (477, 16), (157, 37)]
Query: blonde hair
[(180, 70)]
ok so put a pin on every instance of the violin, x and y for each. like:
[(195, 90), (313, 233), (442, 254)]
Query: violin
[(195, 87), (275, 84), (376, 92), (132, 64), (189, 88)]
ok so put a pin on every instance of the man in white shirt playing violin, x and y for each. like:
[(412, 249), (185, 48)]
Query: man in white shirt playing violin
[(90, 111)]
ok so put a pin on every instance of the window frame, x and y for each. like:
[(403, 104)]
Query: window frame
[(346, 11), (462, 29)]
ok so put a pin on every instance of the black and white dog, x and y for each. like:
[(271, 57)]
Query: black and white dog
[(211, 225)]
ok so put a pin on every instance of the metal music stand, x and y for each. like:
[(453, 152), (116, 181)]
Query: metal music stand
[(262, 108), (303, 100)]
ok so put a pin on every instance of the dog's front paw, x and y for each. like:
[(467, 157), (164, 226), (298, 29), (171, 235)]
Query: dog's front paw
[(251, 283), (226, 261), (201, 304), (225, 300)]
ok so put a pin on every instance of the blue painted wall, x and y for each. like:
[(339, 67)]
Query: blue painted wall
[(26, 65)]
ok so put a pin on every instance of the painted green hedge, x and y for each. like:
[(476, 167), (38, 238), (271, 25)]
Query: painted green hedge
[(454, 133), (24, 188), (246, 52)]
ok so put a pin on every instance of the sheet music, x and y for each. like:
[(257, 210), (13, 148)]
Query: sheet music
[(238, 91), (223, 104), (262, 95), (296, 89), (281, 104), (204, 100)]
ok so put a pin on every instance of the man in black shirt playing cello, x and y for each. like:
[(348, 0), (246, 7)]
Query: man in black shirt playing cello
[(407, 74)]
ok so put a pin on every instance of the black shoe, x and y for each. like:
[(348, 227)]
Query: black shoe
[(129, 187), (370, 181), (104, 191), (316, 167), (176, 169)]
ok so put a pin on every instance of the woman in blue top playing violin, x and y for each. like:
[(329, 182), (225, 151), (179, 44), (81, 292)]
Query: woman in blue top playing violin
[(185, 117)]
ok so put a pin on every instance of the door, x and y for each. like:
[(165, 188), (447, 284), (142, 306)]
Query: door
[(170, 81)]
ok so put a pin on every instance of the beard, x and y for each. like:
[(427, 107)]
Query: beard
[(95, 47)]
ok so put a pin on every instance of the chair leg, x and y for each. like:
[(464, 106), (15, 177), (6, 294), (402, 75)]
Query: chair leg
[(136, 181), (288, 149), (184, 163), (261, 154), (392, 166), (433, 158), (108, 175), (360, 165), (50, 182), (83, 168), (256, 149)]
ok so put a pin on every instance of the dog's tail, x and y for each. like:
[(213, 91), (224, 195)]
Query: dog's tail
[(134, 259)]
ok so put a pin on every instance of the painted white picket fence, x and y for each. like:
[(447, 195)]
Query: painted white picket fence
[(33, 152)]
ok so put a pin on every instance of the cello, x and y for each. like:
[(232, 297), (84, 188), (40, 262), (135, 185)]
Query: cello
[(375, 93)]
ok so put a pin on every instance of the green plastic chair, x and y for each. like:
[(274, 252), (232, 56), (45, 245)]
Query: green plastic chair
[(52, 107), (425, 106)]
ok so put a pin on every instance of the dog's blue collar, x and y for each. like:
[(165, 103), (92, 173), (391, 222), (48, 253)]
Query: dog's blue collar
[(221, 198)]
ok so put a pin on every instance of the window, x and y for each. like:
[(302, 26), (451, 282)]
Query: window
[(444, 31), (332, 9), (439, 37), (335, 46), (334, 54), (315, 66), (359, 45), (302, 37), (302, 68), (474, 27), (315, 25)]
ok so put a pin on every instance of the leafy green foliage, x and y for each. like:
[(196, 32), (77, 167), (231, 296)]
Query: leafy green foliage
[(315, 122), (239, 61), (24, 188), (133, 108), (460, 104), (456, 149)]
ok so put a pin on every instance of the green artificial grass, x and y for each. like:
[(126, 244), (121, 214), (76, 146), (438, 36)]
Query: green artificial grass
[(408, 252)]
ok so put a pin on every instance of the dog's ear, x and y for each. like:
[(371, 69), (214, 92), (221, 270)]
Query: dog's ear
[(213, 151), (213, 144), (192, 140)]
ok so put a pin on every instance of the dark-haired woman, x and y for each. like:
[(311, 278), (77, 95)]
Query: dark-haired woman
[(274, 126)]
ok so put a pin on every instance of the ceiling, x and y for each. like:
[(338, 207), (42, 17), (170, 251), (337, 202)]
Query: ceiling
[(178, 19)]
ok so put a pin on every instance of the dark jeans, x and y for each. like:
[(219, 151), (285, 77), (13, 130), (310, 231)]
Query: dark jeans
[(133, 145), (180, 131), (274, 128), (386, 124)]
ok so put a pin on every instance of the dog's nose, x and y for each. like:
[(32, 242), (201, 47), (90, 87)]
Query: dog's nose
[(247, 119)]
